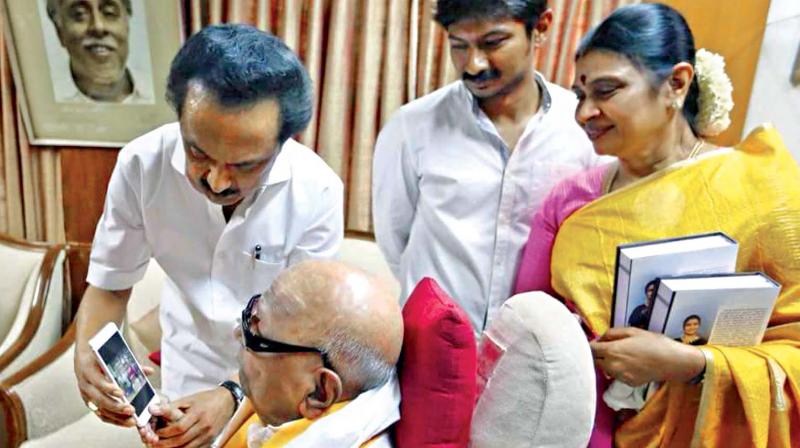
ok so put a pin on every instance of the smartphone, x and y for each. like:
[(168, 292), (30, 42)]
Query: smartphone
[(121, 366)]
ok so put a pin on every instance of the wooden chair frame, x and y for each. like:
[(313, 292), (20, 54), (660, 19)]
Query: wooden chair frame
[(42, 288)]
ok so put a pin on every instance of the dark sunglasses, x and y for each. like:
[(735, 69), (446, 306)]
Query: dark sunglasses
[(259, 344)]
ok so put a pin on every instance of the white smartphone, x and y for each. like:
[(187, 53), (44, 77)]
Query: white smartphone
[(121, 366)]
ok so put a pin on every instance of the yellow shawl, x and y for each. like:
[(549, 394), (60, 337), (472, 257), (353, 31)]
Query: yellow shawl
[(285, 434), (750, 394)]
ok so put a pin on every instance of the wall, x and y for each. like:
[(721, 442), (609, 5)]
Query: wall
[(774, 99), (735, 32), (85, 173)]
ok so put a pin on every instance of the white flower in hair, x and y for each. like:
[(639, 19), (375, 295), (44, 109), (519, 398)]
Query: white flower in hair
[(716, 94)]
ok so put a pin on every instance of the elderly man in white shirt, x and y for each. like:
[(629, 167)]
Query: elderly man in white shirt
[(223, 200), (459, 173)]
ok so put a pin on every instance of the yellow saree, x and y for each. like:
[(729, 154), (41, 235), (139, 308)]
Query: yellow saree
[(750, 394)]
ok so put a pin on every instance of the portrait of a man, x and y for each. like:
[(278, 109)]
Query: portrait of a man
[(640, 317), (96, 37)]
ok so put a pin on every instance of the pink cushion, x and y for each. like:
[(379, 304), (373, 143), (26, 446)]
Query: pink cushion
[(437, 371)]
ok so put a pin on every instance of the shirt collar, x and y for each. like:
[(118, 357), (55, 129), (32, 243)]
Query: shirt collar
[(137, 95), (278, 170)]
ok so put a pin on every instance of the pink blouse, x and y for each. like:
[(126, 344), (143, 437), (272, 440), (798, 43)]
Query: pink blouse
[(564, 199), (534, 270)]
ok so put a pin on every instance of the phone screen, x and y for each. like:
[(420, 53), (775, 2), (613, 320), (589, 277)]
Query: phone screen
[(126, 372)]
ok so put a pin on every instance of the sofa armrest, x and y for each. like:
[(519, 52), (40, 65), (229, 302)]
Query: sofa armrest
[(44, 301), (38, 323)]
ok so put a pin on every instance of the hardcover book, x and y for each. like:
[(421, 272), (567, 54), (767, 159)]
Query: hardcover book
[(725, 309), (640, 265)]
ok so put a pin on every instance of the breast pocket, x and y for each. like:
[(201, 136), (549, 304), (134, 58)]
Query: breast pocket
[(257, 275)]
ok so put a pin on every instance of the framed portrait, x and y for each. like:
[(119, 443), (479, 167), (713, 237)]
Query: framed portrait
[(92, 72)]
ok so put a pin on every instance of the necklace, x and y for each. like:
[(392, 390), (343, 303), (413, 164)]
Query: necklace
[(609, 180), (696, 148)]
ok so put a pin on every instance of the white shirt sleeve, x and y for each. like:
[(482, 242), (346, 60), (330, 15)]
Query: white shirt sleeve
[(395, 190), (120, 251), (324, 235)]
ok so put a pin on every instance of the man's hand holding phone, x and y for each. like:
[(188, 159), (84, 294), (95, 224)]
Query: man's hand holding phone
[(111, 381), (190, 422), (98, 391)]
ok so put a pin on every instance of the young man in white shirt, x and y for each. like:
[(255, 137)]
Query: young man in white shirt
[(223, 200), (459, 173)]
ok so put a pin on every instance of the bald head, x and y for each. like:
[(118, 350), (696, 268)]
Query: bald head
[(344, 311)]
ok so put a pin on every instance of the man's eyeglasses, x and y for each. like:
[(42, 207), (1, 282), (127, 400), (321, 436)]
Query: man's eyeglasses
[(259, 344)]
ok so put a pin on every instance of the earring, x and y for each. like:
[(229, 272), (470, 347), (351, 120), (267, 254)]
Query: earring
[(539, 39), (676, 104)]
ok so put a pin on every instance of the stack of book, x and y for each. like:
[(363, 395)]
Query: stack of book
[(687, 289)]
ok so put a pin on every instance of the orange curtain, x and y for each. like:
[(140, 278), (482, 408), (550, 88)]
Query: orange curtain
[(571, 20), (31, 206)]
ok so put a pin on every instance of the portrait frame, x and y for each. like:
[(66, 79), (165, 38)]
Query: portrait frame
[(53, 110)]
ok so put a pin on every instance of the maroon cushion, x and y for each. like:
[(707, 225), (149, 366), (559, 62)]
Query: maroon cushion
[(155, 357), (437, 371)]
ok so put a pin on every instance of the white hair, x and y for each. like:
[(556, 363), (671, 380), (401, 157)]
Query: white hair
[(356, 363)]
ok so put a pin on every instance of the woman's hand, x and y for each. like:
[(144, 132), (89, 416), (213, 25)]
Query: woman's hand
[(637, 357)]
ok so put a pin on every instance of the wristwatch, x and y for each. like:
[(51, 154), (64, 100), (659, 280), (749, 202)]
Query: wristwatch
[(235, 390)]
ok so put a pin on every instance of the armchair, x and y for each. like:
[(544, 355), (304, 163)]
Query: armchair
[(33, 301), (40, 405)]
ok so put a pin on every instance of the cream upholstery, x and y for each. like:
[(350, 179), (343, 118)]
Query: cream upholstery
[(366, 255), (51, 397), (88, 431), (16, 279), (23, 277)]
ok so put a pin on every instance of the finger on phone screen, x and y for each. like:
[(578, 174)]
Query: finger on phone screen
[(106, 402)]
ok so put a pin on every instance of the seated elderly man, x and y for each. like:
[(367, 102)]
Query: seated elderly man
[(317, 362)]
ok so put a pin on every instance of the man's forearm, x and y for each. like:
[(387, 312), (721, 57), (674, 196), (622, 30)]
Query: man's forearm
[(98, 307)]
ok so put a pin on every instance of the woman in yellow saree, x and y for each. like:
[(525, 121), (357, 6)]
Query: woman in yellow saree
[(641, 101)]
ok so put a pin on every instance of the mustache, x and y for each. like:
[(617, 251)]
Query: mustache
[(484, 75), (89, 41), (222, 194), (591, 126)]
